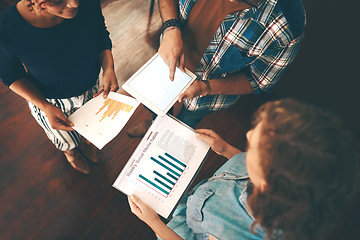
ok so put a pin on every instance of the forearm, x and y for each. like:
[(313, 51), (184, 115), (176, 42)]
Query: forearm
[(107, 60), (169, 9), (163, 231), (171, 46), (24, 88), (236, 84), (230, 151)]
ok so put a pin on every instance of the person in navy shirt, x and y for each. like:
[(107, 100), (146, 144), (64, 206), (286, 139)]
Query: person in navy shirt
[(51, 54)]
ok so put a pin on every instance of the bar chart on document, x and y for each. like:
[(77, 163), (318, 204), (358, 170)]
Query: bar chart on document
[(100, 120), (163, 165), (162, 173), (111, 108)]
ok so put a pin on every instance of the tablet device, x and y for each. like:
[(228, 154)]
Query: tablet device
[(152, 86)]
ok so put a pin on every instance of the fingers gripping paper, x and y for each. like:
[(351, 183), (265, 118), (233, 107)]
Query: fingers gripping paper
[(163, 165), (100, 120)]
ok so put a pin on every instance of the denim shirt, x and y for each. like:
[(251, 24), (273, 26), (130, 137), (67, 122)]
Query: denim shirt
[(217, 206)]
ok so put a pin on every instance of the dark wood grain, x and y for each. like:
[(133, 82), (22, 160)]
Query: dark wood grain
[(42, 197)]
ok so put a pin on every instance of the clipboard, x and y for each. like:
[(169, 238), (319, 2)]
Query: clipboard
[(152, 86), (163, 165)]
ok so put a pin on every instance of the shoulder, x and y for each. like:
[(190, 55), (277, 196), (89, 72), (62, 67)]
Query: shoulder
[(9, 20), (284, 19), (90, 4), (294, 13), (90, 8), (234, 168)]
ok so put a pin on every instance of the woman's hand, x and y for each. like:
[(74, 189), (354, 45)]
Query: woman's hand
[(57, 118), (110, 83), (109, 80), (143, 211), (151, 218), (216, 143)]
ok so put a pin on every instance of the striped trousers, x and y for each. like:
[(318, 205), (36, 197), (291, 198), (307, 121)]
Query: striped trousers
[(63, 140)]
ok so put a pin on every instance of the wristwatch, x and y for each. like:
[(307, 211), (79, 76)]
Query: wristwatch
[(208, 88)]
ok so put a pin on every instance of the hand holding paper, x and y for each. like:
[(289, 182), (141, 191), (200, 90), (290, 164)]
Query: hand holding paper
[(100, 120), (163, 165)]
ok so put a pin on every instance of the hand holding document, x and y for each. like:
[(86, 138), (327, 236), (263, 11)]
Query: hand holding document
[(163, 165), (100, 120)]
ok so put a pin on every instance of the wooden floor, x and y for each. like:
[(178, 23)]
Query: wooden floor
[(42, 197)]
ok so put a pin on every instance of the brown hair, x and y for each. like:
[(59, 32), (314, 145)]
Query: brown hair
[(309, 161)]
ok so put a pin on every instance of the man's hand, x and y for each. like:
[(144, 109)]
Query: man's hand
[(171, 51), (57, 118), (216, 143), (197, 88)]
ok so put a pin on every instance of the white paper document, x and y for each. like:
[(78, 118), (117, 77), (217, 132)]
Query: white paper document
[(100, 120), (163, 165), (152, 86)]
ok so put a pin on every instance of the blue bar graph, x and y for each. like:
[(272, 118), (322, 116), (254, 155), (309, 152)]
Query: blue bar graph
[(165, 166), (165, 173), (153, 184)]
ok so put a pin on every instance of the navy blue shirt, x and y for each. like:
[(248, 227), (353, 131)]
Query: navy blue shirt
[(62, 61)]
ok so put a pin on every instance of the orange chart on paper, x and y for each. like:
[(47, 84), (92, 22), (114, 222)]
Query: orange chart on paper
[(113, 108)]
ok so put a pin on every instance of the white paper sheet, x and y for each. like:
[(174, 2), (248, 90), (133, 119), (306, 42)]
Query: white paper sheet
[(100, 120)]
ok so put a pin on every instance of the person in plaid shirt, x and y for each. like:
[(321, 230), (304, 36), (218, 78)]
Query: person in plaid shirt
[(234, 48)]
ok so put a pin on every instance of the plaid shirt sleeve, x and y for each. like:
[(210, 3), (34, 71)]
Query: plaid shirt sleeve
[(256, 41), (185, 7)]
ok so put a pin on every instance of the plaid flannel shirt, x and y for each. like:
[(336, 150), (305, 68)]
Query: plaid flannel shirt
[(257, 41)]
